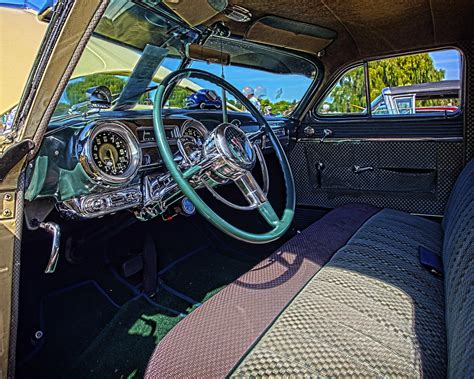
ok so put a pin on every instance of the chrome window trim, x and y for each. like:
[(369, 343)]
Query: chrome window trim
[(381, 139)]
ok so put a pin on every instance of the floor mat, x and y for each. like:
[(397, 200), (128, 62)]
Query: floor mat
[(205, 273), (126, 344), (71, 318)]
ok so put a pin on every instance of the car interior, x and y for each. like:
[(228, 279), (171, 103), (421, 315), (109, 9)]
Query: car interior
[(254, 189)]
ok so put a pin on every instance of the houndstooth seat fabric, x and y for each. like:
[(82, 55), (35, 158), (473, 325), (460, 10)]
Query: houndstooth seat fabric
[(373, 310), (361, 306)]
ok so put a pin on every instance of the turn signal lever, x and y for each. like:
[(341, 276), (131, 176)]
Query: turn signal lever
[(55, 231)]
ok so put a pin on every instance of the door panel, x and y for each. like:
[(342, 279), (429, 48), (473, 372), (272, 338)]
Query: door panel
[(412, 176)]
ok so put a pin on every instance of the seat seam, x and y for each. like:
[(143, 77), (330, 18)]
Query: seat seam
[(365, 315), (285, 357)]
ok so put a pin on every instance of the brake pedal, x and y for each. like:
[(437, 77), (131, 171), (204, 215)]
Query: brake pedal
[(132, 266)]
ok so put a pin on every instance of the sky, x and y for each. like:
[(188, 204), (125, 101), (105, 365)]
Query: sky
[(449, 60), (278, 87), (30, 4)]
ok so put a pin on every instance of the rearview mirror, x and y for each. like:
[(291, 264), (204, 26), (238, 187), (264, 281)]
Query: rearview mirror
[(99, 97), (206, 54)]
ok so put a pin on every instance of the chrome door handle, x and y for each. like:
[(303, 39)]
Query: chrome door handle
[(358, 169)]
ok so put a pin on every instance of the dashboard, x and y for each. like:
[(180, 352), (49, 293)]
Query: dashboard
[(111, 162)]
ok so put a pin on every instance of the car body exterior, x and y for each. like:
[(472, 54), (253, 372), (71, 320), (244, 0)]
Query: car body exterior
[(403, 99), (204, 99)]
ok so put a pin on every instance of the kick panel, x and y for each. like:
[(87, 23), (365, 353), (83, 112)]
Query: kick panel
[(413, 176)]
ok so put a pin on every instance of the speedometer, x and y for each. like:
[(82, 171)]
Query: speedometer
[(193, 135), (195, 130), (109, 153)]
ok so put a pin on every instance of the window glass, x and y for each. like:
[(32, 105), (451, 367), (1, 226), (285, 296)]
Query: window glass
[(426, 83), (404, 105), (74, 98), (271, 93), (417, 84), (22, 31), (348, 96)]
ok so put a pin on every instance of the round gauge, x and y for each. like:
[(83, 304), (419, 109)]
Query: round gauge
[(193, 136), (195, 130), (110, 153)]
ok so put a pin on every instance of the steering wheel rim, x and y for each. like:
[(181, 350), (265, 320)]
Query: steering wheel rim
[(279, 225)]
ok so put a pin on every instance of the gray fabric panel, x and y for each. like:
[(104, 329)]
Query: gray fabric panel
[(423, 193), (458, 260), (371, 311)]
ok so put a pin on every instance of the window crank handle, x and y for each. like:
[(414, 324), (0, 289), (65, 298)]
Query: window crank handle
[(326, 133)]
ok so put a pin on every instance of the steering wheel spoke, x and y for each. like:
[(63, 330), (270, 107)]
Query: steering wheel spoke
[(254, 136), (251, 190), (257, 198)]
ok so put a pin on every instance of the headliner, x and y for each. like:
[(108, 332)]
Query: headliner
[(371, 28)]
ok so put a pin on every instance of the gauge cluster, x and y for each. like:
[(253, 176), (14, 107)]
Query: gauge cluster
[(121, 160)]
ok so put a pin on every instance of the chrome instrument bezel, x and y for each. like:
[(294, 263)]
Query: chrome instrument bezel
[(192, 123), (84, 147)]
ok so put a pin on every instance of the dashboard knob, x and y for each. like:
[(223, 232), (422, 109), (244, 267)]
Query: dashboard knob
[(97, 205), (309, 131)]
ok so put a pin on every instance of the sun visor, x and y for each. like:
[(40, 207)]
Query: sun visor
[(196, 12), (277, 31)]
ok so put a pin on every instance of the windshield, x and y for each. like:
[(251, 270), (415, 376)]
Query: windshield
[(136, 44)]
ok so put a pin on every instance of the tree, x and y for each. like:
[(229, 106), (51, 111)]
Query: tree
[(402, 71), (349, 93), (178, 97)]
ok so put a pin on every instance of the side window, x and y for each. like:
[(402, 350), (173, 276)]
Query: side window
[(408, 85), (347, 96), (416, 84)]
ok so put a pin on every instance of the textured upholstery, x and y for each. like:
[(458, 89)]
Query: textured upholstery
[(371, 311), (211, 340), (458, 260)]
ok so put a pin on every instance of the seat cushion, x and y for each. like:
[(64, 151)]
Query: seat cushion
[(373, 310), (211, 341)]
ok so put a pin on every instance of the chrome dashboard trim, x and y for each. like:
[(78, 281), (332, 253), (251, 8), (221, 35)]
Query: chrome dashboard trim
[(100, 204)]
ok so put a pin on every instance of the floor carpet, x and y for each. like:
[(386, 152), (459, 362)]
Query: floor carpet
[(123, 348), (71, 319), (205, 273), (87, 334)]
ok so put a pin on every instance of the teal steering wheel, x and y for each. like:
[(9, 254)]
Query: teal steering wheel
[(228, 155)]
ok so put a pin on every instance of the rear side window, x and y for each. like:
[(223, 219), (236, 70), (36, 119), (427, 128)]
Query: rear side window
[(409, 85)]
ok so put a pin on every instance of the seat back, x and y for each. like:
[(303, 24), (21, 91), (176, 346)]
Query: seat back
[(458, 260)]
